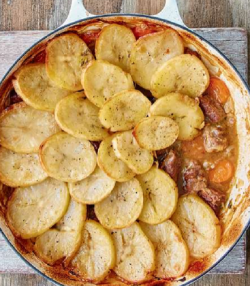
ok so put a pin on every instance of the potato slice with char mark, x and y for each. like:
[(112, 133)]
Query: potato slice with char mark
[(77, 116), (114, 45), (135, 256), (156, 132), (127, 149), (92, 189), (67, 158), (185, 74), (23, 128), (184, 110), (34, 86), (199, 226), (33, 210), (152, 50), (171, 251), (122, 207), (96, 255), (20, 170), (66, 57), (160, 196), (102, 80), (110, 164), (124, 110), (62, 241)]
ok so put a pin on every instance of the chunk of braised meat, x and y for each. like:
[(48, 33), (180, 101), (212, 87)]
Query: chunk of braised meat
[(214, 138), (171, 165), (212, 109), (96, 145), (213, 198), (14, 97)]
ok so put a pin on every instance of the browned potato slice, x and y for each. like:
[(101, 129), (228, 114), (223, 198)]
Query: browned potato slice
[(34, 86), (160, 196), (110, 164), (66, 57), (152, 50), (156, 132), (135, 257), (182, 109), (33, 210), (62, 241), (199, 226), (23, 128), (114, 45), (124, 110), (77, 116), (172, 254), (185, 74), (122, 207), (20, 170), (102, 80), (127, 149), (67, 158)]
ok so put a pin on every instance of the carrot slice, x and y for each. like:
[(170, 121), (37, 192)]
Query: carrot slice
[(222, 172), (194, 149), (140, 31), (218, 90)]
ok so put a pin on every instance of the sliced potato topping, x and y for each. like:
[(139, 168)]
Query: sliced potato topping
[(124, 110), (114, 45), (127, 149), (34, 86), (96, 255), (156, 132), (23, 128), (67, 158), (93, 189), (63, 241), (122, 207), (185, 74), (33, 210), (110, 164), (135, 257), (172, 254), (20, 170), (66, 57), (152, 50), (184, 110), (199, 226), (77, 116), (160, 196), (102, 80)]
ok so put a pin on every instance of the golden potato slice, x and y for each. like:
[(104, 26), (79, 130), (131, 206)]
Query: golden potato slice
[(34, 86), (66, 57), (135, 256), (122, 207), (152, 50), (185, 74), (127, 149), (62, 241), (199, 225), (110, 164), (160, 196), (96, 255), (77, 116), (124, 110), (33, 210), (114, 45), (102, 80), (184, 110), (67, 158), (171, 252), (92, 189), (20, 170), (23, 128), (156, 132)]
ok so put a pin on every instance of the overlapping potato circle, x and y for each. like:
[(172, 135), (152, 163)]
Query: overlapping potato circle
[(74, 98)]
